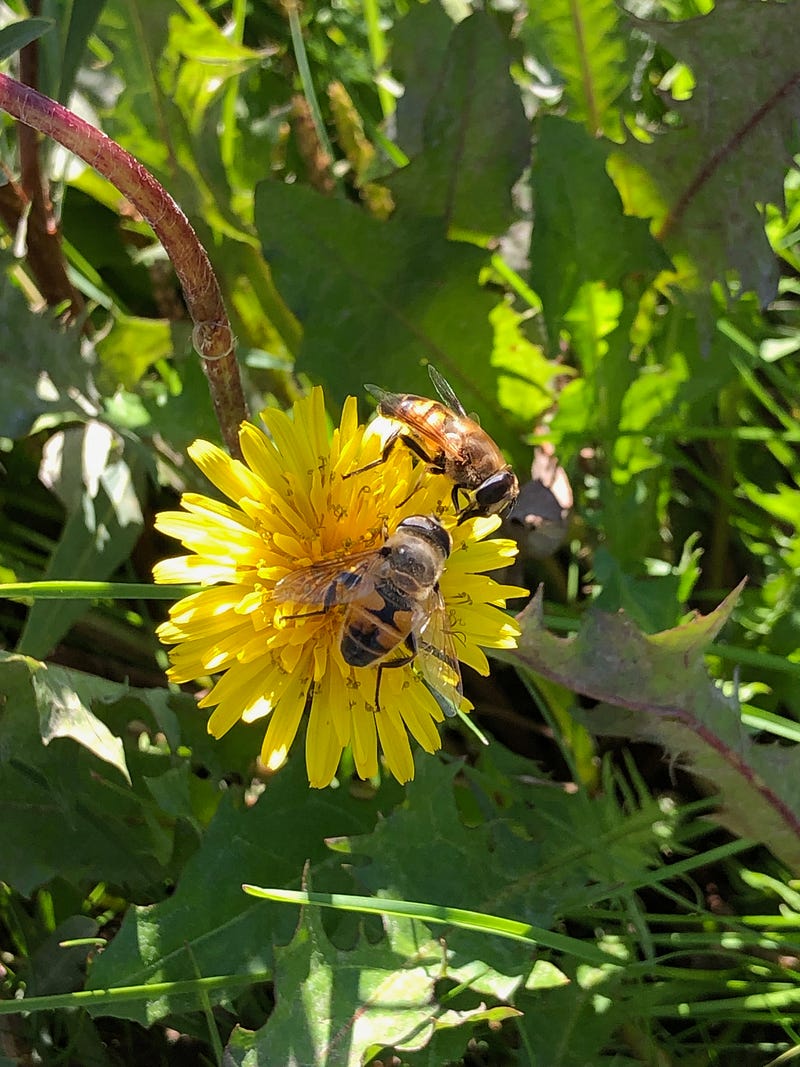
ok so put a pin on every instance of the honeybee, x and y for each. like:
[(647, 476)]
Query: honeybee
[(451, 443), (395, 612)]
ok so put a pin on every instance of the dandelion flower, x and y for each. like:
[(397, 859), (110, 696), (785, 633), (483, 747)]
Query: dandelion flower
[(291, 508)]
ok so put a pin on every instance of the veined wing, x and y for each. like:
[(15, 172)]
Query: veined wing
[(332, 582), (389, 402), (437, 658), (445, 391), (434, 425)]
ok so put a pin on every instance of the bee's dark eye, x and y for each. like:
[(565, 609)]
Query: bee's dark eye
[(500, 488)]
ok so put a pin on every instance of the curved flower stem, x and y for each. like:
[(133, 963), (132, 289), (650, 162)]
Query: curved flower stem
[(212, 335)]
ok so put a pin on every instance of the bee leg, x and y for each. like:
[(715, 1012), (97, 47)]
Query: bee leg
[(457, 501), (420, 453), (411, 445), (378, 690), (432, 465), (411, 645), (306, 614), (406, 499), (387, 448)]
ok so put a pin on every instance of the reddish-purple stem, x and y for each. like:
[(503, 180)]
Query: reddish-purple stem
[(715, 161), (212, 335)]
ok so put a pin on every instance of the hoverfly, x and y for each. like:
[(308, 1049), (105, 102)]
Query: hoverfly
[(394, 610), (450, 443)]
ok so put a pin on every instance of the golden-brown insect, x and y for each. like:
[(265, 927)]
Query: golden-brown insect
[(451, 443), (395, 612)]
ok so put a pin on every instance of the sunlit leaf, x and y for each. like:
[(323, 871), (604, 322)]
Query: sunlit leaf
[(390, 1000), (581, 233), (48, 374), (586, 43)]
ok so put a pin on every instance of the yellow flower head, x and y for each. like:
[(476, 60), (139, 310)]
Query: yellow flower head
[(293, 509)]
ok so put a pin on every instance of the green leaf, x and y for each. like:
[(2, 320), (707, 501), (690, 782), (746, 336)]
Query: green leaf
[(48, 374), (374, 995), (178, 411), (18, 34), (64, 712), (735, 138), (580, 232), (59, 968), (650, 602), (419, 42), (594, 315), (584, 41), (434, 914), (476, 139), (565, 1027), (648, 402), (525, 376), (376, 299), (99, 489), (549, 854), (134, 344), (159, 118), (209, 926), (60, 811), (210, 58), (80, 23), (63, 700), (660, 691), (783, 504)]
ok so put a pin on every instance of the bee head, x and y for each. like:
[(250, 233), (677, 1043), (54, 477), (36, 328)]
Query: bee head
[(493, 495), (429, 529)]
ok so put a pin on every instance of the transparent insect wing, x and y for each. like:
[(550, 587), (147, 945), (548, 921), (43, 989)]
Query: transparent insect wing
[(437, 658), (383, 396), (336, 581), (445, 391)]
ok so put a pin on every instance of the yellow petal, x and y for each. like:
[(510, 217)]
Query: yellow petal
[(191, 569), (229, 475), (323, 750), (283, 724), (364, 738), (394, 742), (419, 710)]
